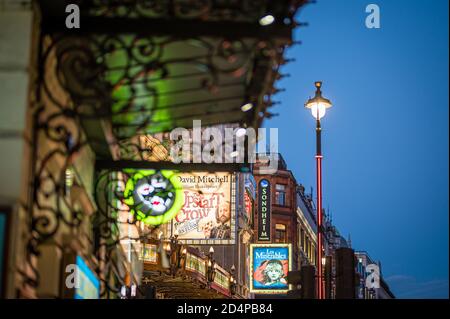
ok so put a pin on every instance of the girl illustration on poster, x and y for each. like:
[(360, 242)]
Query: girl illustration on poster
[(272, 273), (270, 266)]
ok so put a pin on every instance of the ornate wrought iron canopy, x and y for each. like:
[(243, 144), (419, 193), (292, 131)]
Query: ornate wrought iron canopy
[(150, 66)]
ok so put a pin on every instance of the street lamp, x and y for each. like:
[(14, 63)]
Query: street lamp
[(318, 106), (232, 281), (211, 270), (176, 255)]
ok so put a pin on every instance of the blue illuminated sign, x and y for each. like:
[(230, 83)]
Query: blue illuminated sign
[(88, 283), (270, 264)]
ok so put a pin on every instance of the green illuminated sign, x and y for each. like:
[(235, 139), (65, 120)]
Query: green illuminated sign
[(154, 197)]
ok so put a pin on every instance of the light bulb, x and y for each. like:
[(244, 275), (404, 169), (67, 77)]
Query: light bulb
[(266, 20), (246, 107), (318, 110), (241, 132)]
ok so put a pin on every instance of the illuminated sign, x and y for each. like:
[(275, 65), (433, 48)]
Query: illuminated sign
[(154, 197), (195, 264), (270, 264), (248, 206), (208, 213), (149, 253), (264, 210), (88, 285), (250, 184), (221, 279)]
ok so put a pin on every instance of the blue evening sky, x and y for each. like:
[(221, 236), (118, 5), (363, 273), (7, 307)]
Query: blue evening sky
[(385, 140)]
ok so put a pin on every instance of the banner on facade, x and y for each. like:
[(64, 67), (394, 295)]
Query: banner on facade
[(264, 212), (153, 196), (208, 214), (149, 253), (195, 265), (221, 280), (248, 207), (270, 264)]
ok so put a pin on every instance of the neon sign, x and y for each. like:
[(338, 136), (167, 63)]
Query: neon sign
[(154, 197), (264, 210)]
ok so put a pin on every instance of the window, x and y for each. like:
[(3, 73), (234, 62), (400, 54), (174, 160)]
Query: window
[(280, 194), (308, 254), (299, 235), (302, 239), (280, 233), (305, 244), (313, 254)]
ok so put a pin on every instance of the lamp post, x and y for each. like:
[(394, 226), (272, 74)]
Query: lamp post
[(232, 281), (323, 277), (176, 254), (211, 271), (318, 106)]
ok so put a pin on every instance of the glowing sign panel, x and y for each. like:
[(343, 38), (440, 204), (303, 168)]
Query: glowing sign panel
[(88, 283), (155, 197), (208, 213), (264, 211), (270, 264)]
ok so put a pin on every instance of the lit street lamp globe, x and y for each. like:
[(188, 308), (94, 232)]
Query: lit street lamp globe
[(318, 104)]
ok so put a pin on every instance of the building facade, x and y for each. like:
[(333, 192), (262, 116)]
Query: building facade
[(283, 223), (293, 219), (306, 228)]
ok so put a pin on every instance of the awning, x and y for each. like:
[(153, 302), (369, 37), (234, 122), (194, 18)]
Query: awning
[(145, 67)]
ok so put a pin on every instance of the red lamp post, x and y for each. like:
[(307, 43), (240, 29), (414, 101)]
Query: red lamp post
[(318, 106)]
